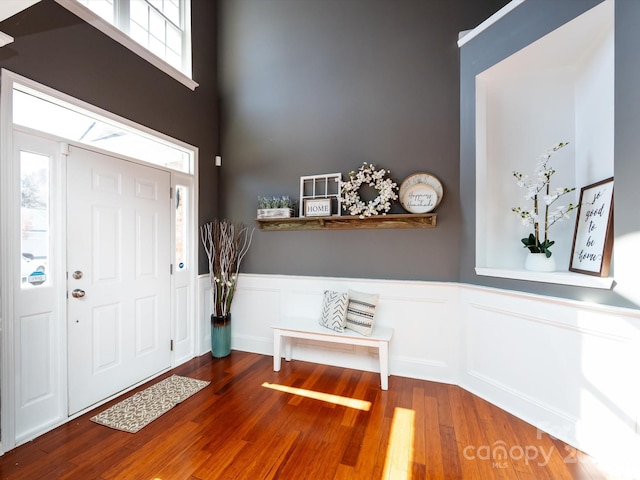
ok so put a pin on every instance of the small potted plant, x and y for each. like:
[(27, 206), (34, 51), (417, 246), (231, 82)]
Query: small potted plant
[(275, 207)]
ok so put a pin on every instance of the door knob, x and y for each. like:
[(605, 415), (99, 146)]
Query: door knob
[(77, 293), (77, 274)]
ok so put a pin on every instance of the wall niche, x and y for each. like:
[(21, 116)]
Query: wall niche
[(558, 89)]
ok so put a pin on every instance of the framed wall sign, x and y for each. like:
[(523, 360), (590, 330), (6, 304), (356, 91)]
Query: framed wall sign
[(593, 236), (325, 187), (317, 207)]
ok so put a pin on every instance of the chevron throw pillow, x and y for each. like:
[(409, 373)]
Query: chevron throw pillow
[(334, 310), (361, 311)]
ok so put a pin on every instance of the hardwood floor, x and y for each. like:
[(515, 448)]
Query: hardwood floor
[(237, 427)]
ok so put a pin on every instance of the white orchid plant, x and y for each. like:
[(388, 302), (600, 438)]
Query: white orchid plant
[(544, 213)]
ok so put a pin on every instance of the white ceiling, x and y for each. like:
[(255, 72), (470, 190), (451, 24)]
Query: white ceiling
[(9, 8)]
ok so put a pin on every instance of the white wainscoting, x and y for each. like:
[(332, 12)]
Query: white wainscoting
[(569, 368)]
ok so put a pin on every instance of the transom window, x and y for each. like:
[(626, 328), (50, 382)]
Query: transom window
[(39, 111)]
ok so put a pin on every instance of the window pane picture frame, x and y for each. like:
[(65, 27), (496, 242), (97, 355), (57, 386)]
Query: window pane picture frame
[(593, 235), (313, 188)]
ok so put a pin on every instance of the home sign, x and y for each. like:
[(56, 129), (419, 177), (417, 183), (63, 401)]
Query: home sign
[(317, 207)]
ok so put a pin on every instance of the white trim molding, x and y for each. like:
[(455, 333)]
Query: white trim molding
[(5, 39), (468, 35), (558, 277)]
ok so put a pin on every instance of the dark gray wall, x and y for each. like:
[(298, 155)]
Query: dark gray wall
[(527, 23), (56, 48), (320, 86)]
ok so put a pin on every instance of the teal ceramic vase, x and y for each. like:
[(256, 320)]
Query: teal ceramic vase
[(220, 335)]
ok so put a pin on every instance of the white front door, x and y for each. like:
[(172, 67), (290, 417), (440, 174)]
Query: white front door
[(118, 268)]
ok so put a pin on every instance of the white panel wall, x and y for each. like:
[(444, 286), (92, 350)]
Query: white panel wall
[(203, 340), (594, 101), (567, 367), (515, 142), (563, 366), (413, 311)]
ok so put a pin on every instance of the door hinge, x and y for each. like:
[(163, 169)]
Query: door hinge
[(171, 269), (172, 345), (170, 192)]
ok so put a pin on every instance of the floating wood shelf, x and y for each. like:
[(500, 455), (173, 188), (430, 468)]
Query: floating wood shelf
[(411, 220)]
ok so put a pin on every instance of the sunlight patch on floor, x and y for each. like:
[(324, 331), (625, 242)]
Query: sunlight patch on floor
[(325, 397), (397, 465)]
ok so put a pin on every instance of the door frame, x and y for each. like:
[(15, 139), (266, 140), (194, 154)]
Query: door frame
[(10, 246)]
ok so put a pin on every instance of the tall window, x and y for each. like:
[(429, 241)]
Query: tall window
[(182, 227), (34, 218), (161, 26)]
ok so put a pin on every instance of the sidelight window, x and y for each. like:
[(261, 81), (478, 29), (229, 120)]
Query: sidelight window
[(34, 219), (181, 226)]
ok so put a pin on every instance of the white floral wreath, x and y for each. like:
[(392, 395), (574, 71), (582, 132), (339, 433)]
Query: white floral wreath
[(368, 175)]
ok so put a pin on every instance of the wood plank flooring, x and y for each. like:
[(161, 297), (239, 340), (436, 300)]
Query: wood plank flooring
[(238, 428)]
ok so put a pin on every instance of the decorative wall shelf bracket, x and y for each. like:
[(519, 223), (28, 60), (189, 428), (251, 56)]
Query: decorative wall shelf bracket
[(427, 220)]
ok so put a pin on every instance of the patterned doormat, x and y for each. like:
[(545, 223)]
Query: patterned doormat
[(137, 411)]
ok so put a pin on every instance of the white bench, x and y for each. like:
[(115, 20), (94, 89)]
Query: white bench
[(284, 331)]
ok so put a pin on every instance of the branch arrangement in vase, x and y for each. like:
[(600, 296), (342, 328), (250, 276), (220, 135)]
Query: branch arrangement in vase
[(226, 243), (538, 190)]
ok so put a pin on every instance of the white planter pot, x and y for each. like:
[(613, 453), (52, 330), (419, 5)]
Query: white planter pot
[(538, 262), (275, 213)]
